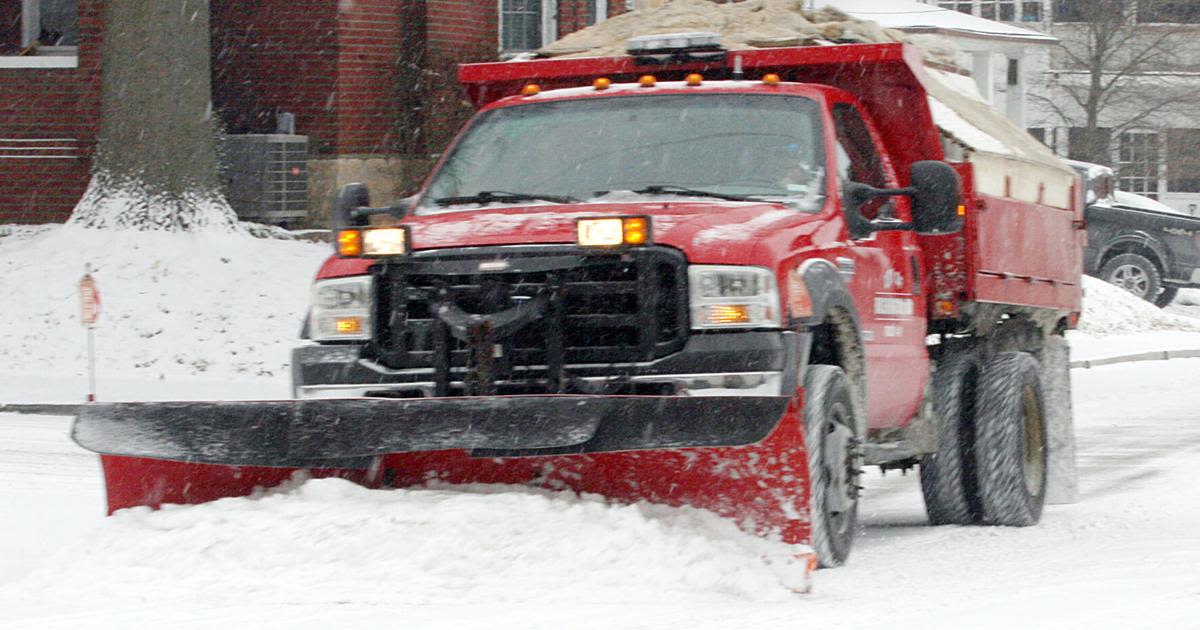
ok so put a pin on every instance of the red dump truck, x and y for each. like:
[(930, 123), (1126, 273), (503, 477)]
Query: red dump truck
[(724, 279)]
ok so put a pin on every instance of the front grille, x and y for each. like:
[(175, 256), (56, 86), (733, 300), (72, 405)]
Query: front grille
[(599, 308)]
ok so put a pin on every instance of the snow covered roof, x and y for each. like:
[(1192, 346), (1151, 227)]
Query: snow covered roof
[(915, 17)]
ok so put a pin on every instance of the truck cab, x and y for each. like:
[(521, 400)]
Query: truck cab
[(748, 191)]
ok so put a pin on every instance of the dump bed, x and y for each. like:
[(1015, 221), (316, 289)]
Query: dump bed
[(1023, 208)]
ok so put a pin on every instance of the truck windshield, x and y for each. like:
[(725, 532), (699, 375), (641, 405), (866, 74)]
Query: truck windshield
[(729, 146)]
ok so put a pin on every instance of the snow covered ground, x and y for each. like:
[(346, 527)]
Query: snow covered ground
[(328, 554), (196, 317)]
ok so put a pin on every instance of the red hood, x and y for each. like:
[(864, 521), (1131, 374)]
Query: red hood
[(707, 232), (694, 227)]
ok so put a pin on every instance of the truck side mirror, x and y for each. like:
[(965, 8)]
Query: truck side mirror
[(352, 207), (346, 202), (935, 197)]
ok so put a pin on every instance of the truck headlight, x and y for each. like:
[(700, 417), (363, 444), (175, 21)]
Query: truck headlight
[(341, 309), (727, 296)]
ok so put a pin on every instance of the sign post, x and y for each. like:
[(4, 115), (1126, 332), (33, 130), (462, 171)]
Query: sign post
[(89, 312)]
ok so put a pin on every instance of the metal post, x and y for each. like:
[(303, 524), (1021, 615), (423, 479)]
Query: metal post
[(91, 397), (91, 344)]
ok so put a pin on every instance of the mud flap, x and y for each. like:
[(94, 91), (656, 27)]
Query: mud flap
[(1062, 480)]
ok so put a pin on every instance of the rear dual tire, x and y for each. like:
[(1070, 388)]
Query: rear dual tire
[(1010, 441), (991, 463), (948, 475)]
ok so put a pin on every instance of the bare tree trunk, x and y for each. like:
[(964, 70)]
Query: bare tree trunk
[(156, 158)]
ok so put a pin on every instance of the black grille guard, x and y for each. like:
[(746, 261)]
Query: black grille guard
[(485, 336), (467, 326)]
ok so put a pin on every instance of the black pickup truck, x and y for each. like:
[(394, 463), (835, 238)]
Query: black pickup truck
[(1137, 243)]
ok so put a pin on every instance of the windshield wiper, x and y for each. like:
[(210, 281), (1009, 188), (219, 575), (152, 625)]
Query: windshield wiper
[(694, 192), (501, 196)]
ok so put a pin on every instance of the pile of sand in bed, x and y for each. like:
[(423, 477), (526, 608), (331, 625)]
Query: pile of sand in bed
[(742, 25)]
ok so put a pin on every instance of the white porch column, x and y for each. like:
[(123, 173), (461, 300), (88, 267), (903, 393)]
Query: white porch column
[(981, 70)]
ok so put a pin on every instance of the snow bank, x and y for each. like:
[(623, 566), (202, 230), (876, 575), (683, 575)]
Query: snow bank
[(172, 304), (330, 541), (1108, 310)]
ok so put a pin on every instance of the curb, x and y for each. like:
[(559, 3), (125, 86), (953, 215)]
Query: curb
[(42, 409), (1157, 355)]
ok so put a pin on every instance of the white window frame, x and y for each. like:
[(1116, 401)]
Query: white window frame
[(549, 25)]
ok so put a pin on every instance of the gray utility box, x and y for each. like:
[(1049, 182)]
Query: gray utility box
[(266, 177)]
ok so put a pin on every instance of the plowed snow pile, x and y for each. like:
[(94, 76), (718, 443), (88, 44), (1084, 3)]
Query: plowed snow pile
[(330, 541), (172, 305), (1108, 310)]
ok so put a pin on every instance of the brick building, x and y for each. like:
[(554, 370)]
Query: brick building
[(370, 82)]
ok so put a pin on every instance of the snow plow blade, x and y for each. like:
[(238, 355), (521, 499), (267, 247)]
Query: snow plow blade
[(305, 433), (740, 457)]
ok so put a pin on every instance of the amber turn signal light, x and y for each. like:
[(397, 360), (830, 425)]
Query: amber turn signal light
[(349, 243), (612, 231)]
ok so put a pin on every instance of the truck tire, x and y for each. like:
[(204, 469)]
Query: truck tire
[(1010, 441), (948, 474), (1134, 273), (1166, 297), (834, 462)]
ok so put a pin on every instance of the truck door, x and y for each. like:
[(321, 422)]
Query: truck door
[(882, 270)]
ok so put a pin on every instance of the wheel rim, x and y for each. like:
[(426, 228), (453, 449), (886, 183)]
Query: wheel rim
[(1033, 445), (839, 463), (1131, 278)]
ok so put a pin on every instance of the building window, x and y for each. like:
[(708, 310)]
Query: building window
[(1000, 10), (1070, 10), (597, 11), (50, 23), (1163, 12), (1183, 160), (961, 7), (1137, 162), (28, 27), (526, 25)]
